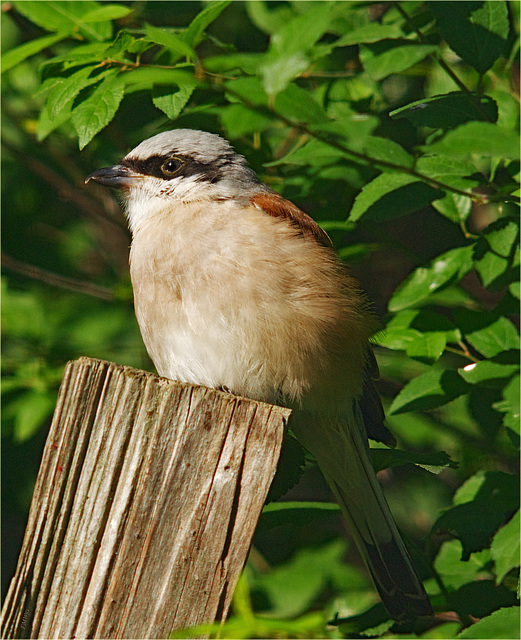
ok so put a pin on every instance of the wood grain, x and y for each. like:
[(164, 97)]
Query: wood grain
[(145, 505)]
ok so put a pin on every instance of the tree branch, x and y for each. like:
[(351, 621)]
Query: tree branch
[(56, 280)]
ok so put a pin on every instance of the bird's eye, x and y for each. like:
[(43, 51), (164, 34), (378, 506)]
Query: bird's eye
[(171, 166)]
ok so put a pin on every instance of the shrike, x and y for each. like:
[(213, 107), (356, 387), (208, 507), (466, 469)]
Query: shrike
[(236, 288)]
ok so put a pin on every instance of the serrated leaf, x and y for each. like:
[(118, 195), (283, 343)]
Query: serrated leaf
[(170, 41), (454, 207), (426, 280), (434, 462), (54, 16), (428, 347), (481, 506), (495, 249), (492, 339), (385, 149), (383, 58), (505, 547), (65, 16), (476, 31), (308, 154), (66, 89), (45, 125), (481, 138), (19, 54), (457, 572), (94, 113), (448, 110), (509, 405), (391, 195), (172, 103), (428, 391), (488, 373), (503, 623)]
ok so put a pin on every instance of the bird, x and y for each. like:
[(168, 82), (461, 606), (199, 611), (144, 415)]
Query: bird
[(235, 288)]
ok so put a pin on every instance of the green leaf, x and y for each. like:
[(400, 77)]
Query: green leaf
[(292, 586), (495, 250), (510, 405), (428, 347), (301, 32), (448, 110), (172, 103), (381, 59), (66, 89), (288, 55), (429, 391), (505, 547), (18, 54), (94, 113), (144, 79), (278, 71), (482, 138), (298, 104), (426, 280), (482, 504), (391, 195), (194, 34), (457, 572), (239, 121), (503, 623), (493, 338), (396, 338), (476, 31), (488, 373), (33, 408), (372, 32), (45, 125), (384, 149), (456, 173), (106, 12), (454, 207), (170, 41), (434, 462), (65, 16), (247, 62)]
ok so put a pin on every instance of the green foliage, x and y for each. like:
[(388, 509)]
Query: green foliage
[(395, 127)]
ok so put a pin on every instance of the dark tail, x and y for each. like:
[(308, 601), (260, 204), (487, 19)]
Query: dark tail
[(342, 454)]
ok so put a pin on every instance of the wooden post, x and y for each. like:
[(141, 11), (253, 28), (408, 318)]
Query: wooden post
[(145, 505)]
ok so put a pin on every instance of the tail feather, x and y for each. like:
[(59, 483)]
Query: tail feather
[(342, 455)]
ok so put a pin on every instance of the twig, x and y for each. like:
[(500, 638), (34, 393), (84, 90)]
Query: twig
[(56, 280), (442, 63), (376, 162)]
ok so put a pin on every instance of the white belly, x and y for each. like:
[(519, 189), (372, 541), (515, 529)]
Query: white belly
[(229, 297)]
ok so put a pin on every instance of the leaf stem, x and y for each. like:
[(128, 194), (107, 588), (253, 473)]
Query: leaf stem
[(376, 162), (442, 62)]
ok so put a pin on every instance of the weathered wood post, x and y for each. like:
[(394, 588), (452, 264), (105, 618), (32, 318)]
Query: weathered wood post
[(147, 498)]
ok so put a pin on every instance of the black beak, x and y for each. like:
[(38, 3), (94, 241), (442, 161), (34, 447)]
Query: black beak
[(118, 176)]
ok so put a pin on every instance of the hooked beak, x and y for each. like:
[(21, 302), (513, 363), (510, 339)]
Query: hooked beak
[(118, 176)]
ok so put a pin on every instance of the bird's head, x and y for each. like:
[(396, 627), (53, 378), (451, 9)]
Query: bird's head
[(182, 165)]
